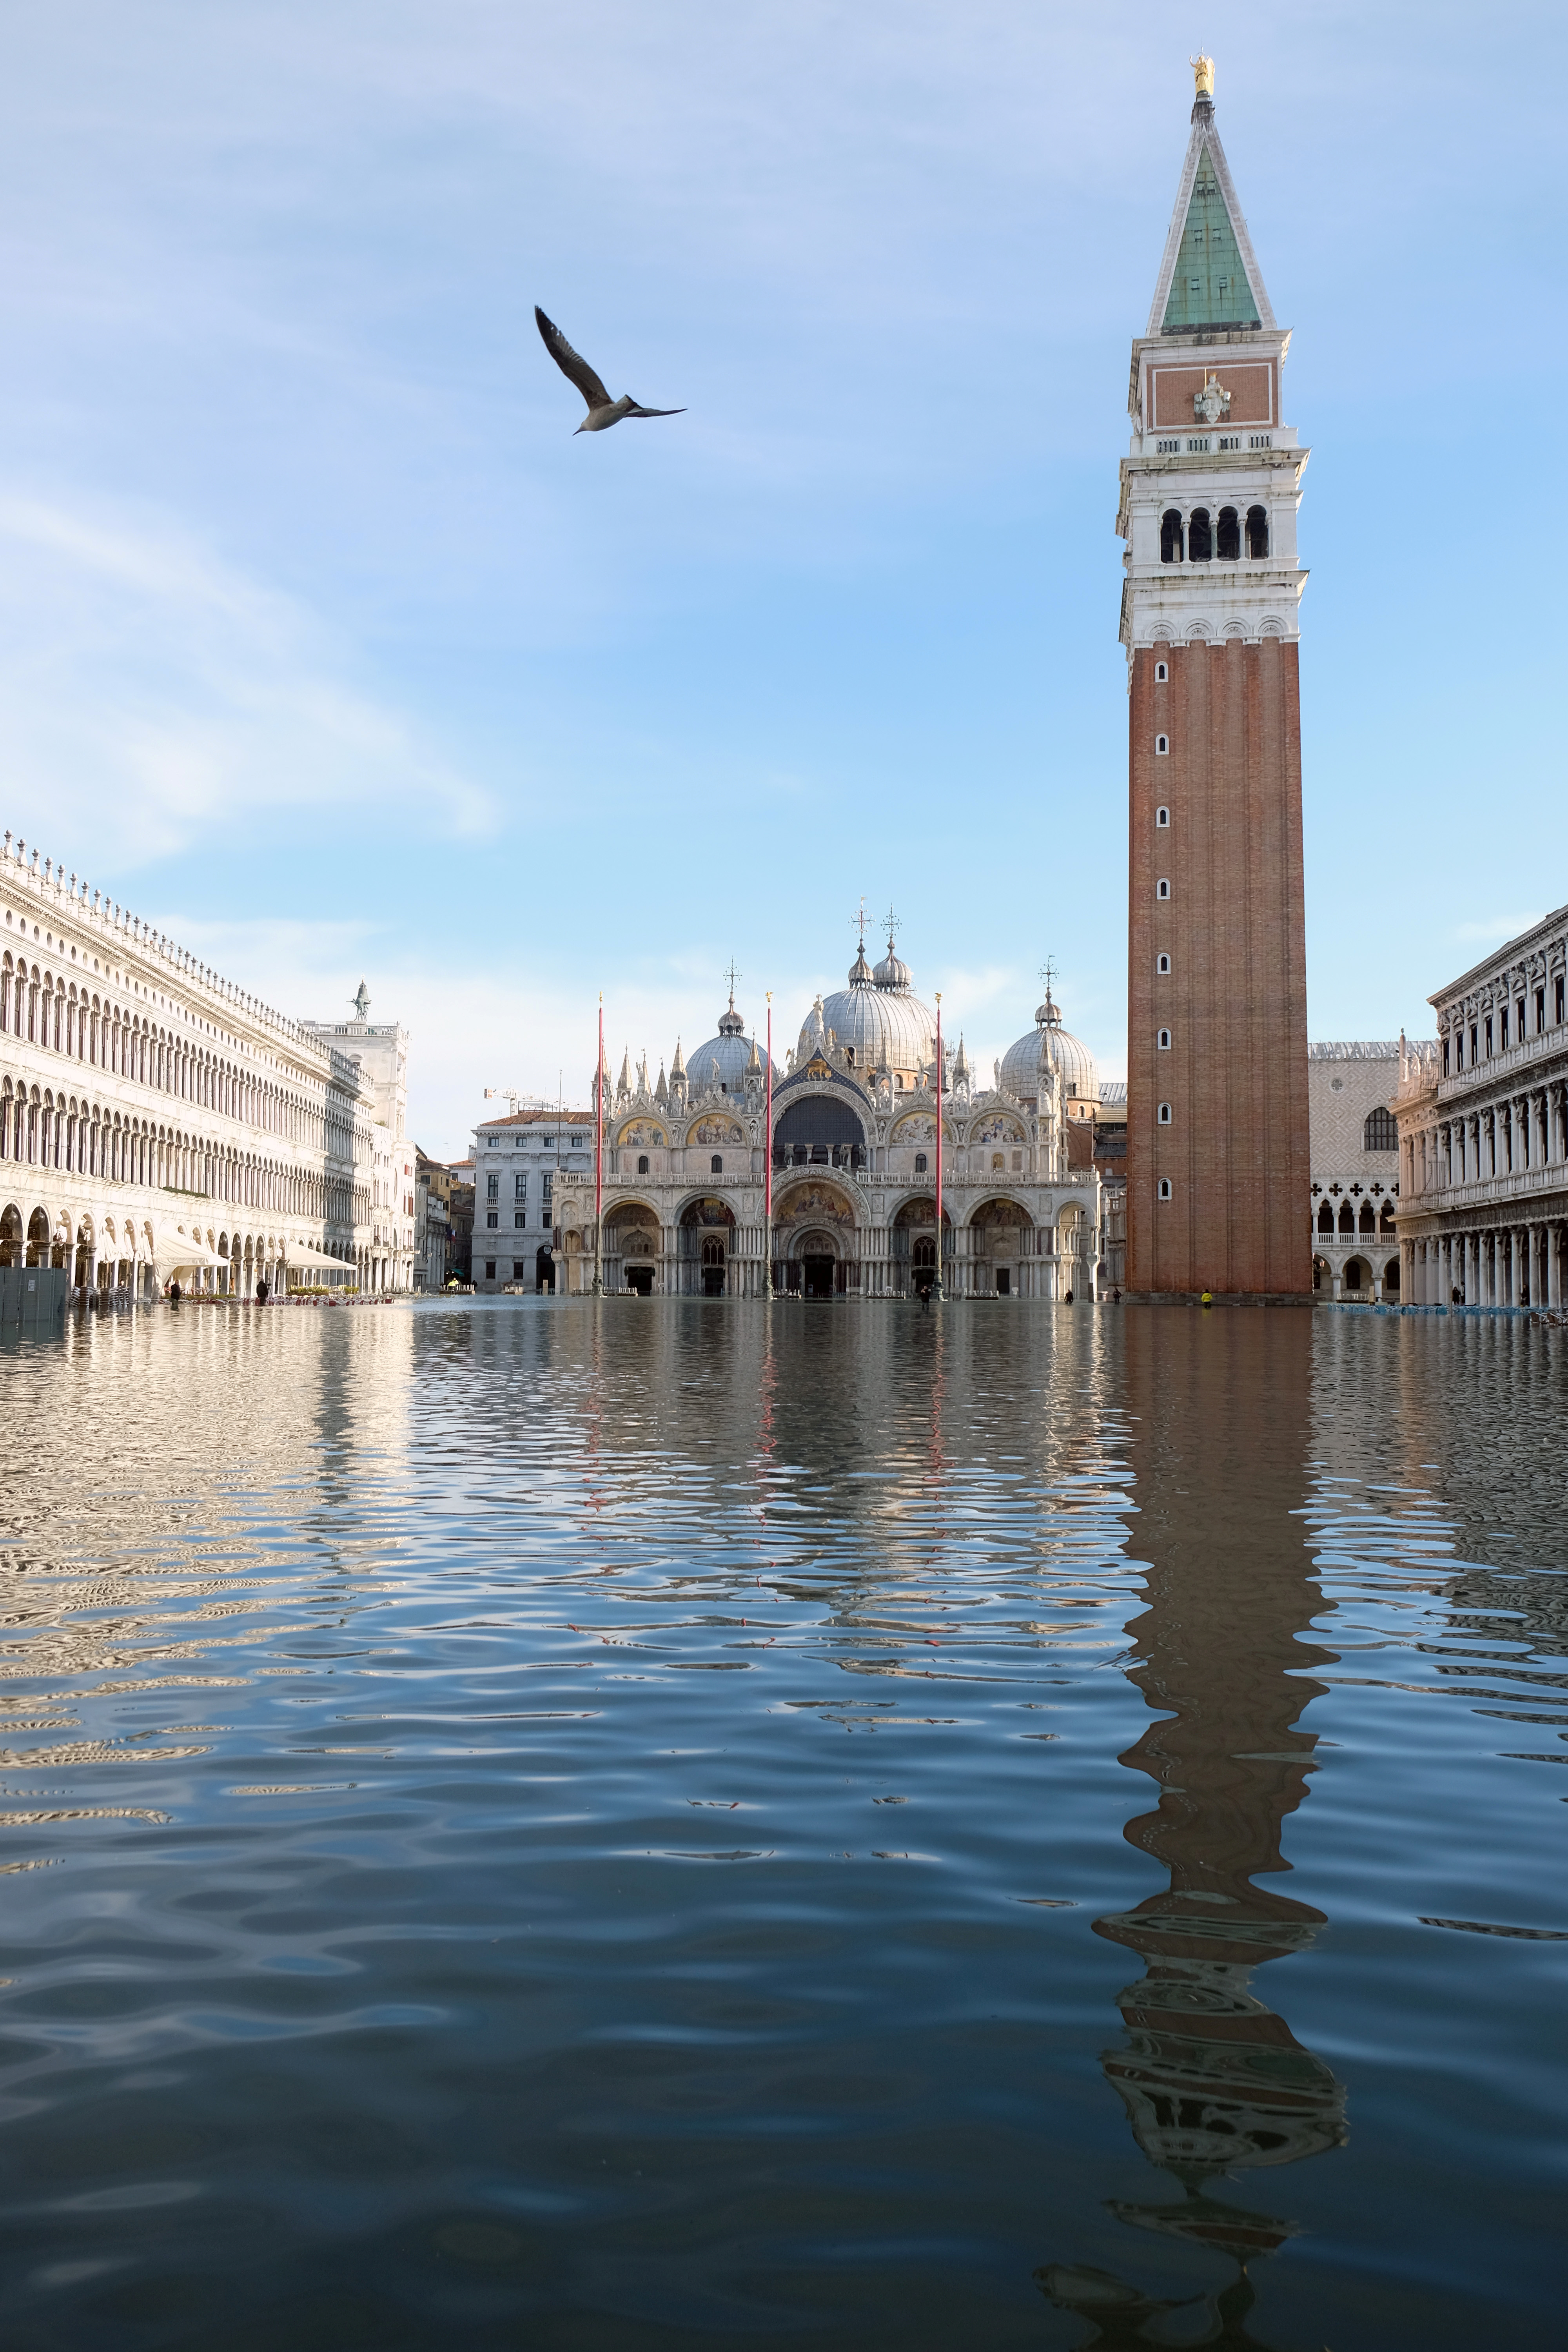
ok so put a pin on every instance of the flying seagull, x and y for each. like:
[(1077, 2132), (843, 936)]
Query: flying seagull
[(603, 411)]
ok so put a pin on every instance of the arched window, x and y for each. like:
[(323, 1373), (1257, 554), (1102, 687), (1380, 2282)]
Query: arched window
[(1162, 745), (1163, 1040), (920, 1163), (1347, 1218), (1162, 963), (716, 1165), (1325, 1219), (1162, 816), (1368, 1222), (1200, 538), (1256, 531), (1161, 672), (1169, 536), (642, 1163), (1164, 1188), (1227, 540), (1381, 1132), (1165, 1114), (1161, 888)]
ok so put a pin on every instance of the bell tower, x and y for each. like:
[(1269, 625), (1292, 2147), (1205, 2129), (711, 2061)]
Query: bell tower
[(1219, 1173)]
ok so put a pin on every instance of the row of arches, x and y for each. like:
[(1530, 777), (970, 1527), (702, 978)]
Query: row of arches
[(821, 1244), (118, 1250), (1348, 1222), (42, 1007), (41, 1128), (1369, 1278), (1203, 537)]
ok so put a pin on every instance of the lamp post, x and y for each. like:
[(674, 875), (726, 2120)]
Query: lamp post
[(936, 1285), (768, 1163), (599, 1156)]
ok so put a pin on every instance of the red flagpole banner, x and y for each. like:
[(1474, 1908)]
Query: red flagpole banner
[(599, 1144), (939, 1144)]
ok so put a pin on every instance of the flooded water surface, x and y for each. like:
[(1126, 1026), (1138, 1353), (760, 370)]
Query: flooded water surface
[(675, 1822)]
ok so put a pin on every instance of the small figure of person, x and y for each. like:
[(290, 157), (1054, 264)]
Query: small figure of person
[(173, 1293), (1066, 1300), (261, 1293), (1207, 1299), (1459, 1296), (1116, 1299)]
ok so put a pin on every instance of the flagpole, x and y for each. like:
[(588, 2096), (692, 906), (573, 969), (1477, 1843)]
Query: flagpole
[(937, 1286), (768, 1165), (599, 1156)]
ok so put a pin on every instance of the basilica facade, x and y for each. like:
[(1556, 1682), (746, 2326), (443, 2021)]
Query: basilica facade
[(847, 1157)]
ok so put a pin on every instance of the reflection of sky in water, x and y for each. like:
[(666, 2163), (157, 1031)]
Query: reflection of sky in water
[(621, 1823)]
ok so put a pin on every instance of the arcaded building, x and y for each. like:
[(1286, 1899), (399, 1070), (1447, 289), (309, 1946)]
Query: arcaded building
[(851, 1158), (160, 1124), (1218, 1163), (1483, 1133)]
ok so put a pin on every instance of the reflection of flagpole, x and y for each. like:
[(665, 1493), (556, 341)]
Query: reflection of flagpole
[(938, 1283), (768, 1165), (599, 1154)]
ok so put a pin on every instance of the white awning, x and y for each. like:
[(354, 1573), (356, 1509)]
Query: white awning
[(175, 1248), (302, 1254)]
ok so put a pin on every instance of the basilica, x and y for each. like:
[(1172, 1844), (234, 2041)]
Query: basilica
[(841, 1149)]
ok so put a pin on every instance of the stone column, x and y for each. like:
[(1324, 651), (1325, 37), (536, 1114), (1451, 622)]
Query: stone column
[(1554, 1268), (1406, 1274)]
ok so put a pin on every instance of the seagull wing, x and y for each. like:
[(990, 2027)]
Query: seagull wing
[(571, 363), (634, 410)]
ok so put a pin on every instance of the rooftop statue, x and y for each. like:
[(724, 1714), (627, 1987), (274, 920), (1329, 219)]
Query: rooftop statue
[(1202, 75)]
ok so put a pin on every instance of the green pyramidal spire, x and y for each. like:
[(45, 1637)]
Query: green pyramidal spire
[(1209, 285)]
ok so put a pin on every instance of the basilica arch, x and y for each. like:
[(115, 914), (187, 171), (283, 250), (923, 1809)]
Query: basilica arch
[(816, 1238), (912, 1247), (995, 1247), (705, 1242), (634, 1248)]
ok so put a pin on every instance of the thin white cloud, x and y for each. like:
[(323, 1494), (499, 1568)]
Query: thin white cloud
[(152, 697), (1498, 927)]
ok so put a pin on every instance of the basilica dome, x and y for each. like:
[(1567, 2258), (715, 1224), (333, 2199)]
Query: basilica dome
[(877, 1019), (1068, 1054), (730, 1051)]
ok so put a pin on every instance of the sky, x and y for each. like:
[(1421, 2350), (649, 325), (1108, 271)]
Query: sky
[(326, 648)]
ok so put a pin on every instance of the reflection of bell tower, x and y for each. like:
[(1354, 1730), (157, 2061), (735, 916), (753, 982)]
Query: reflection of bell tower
[(1217, 1163), (1214, 2081)]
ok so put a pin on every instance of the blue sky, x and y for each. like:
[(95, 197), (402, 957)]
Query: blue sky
[(325, 646)]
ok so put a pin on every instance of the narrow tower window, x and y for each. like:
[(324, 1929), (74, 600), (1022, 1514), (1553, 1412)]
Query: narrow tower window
[(1161, 744), (1161, 888), (1228, 547), (1200, 539), (1256, 531), (1164, 1188), (1162, 1039), (716, 1165), (1162, 816), (1169, 536), (642, 1163), (1162, 963), (1165, 1114), (1161, 672)]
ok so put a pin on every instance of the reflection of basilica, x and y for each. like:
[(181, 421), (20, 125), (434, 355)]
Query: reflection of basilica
[(853, 1151), (1214, 2081)]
